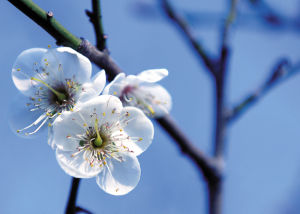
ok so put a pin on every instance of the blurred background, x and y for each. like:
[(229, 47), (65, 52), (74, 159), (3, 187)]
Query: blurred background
[(263, 147)]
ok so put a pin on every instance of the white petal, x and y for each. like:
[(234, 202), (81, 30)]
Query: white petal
[(139, 128), (106, 107), (65, 63), (99, 81), (162, 102), (76, 166), (119, 178), (116, 86), (66, 127), (24, 68), (153, 75), (94, 87)]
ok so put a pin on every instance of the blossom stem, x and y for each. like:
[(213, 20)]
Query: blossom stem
[(59, 95), (71, 207), (98, 141)]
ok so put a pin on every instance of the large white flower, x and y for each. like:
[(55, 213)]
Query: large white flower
[(53, 81), (101, 138), (142, 92)]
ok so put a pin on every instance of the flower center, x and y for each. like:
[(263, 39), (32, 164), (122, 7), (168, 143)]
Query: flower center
[(60, 96), (131, 96)]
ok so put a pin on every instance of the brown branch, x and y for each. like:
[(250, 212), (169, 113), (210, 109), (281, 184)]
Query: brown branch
[(206, 164), (184, 28)]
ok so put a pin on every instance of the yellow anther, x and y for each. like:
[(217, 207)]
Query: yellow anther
[(91, 164), (121, 130), (115, 93), (45, 60), (104, 162), (71, 109), (84, 124), (49, 124), (49, 46), (103, 113), (101, 165), (140, 139), (41, 88), (48, 114), (72, 155), (46, 63), (18, 131), (150, 109), (39, 99), (18, 69)]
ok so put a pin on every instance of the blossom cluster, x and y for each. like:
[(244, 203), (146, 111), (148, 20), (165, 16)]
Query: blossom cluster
[(96, 131)]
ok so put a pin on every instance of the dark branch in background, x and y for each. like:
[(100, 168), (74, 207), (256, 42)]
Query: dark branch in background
[(272, 17), (218, 70), (71, 207), (96, 19), (281, 72), (183, 26), (103, 60)]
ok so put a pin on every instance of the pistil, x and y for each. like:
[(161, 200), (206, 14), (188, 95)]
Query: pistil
[(59, 95), (98, 141)]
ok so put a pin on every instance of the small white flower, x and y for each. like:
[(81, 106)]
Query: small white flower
[(142, 92), (101, 138), (53, 81)]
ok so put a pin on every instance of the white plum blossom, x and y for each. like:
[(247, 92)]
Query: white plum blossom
[(53, 81), (142, 92), (101, 139)]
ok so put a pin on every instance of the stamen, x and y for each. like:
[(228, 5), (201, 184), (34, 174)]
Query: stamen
[(59, 95)]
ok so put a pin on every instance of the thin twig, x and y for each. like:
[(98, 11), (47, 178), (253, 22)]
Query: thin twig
[(71, 207), (96, 19), (184, 27), (82, 210), (228, 22), (47, 22), (282, 71)]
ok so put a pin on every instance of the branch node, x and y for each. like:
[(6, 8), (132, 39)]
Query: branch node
[(49, 14)]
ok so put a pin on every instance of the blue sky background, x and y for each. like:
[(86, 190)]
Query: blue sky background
[(263, 147)]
